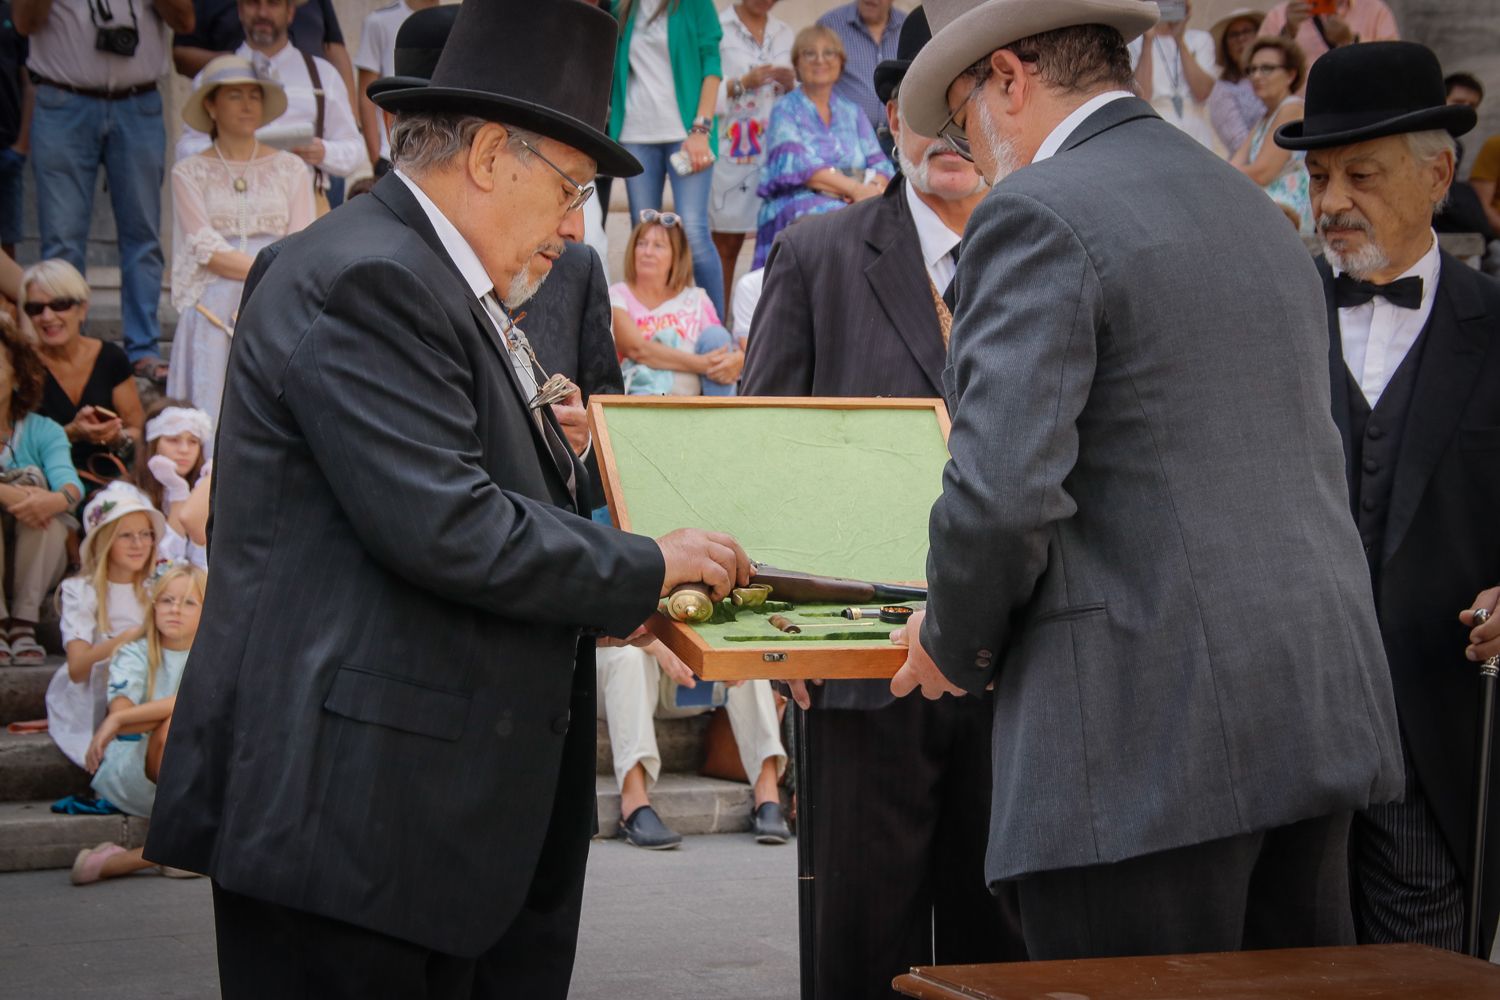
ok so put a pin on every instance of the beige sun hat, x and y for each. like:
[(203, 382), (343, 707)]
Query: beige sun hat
[(108, 505), (965, 31), (1238, 14), (221, 72)]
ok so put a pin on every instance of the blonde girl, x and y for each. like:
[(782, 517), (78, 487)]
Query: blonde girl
[(125, 753), (102, 608), (178, 437)]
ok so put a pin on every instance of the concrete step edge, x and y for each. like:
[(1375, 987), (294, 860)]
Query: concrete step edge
[(687, 803), (23, 691), (32, 837)]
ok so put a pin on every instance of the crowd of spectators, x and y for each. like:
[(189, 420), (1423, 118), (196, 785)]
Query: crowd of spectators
[(754, 122)]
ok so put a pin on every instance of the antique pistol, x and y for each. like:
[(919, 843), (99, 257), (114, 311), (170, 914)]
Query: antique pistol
[(689, 603)]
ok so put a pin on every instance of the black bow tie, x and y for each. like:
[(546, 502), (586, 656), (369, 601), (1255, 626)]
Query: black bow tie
[(1405, 293)]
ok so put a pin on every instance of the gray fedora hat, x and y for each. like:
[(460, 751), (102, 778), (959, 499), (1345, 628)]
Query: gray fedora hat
[(965, 31)]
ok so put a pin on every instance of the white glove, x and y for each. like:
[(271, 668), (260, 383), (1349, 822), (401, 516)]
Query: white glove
[(206, 471), (165, 471)]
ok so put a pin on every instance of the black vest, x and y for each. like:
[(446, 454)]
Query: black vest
[(1375, 447)]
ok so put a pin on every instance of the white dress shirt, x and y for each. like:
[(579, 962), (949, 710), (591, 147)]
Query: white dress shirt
[(377, 49), (1065, 128), (1377, 335), (343, 149), (478, 279), (936, 238)]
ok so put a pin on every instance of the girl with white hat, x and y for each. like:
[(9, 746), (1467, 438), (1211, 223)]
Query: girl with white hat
[(228, 202), (102, 609)]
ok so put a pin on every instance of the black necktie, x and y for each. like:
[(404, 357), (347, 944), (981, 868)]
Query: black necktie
[(1405, 293)]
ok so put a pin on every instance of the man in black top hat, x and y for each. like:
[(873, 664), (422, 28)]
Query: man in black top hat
[(1415, 365), (384, 755), (853, 306)]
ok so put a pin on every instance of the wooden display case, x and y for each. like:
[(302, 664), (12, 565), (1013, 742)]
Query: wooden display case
[(834, 487)]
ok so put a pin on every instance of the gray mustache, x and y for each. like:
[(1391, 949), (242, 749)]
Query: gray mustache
[(1327, 222)]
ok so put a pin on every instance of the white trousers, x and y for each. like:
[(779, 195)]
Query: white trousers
[(633, 691)]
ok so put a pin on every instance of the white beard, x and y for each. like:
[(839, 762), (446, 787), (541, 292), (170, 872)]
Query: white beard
[(919, 175), (522, 288), (1001, 150), (1360, 263)]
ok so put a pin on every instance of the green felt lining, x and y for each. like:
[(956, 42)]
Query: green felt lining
[(838, 492)]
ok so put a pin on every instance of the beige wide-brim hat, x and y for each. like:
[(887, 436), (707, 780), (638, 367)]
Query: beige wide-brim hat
[(108, 505), (965, 31), (1238, 14), (222, 72)]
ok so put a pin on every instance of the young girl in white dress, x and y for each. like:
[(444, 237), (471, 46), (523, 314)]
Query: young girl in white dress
[(228, 202), (178, 437), (125, 753), (102, 608)]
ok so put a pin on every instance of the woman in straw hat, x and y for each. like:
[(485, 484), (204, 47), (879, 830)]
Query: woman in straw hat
[(228, 202), (1233, 107)]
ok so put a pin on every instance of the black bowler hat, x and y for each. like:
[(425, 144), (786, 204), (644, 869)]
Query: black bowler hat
[(544, 65), (419, 42), (914, 34), (1370, 90)]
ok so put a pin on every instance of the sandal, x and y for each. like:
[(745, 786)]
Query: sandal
[(86, 866), (25, 651), (152, 369)]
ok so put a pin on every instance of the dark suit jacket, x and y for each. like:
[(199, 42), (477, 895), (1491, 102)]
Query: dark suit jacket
[(1144, 536), (1440, 547), (569, 324), (382, 684), (847, 310)]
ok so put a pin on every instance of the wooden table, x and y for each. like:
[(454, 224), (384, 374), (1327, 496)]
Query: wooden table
[(1362, 973)]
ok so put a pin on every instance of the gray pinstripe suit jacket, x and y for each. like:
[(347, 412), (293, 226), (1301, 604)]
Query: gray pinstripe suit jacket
[(374, 723), (1144, 536)]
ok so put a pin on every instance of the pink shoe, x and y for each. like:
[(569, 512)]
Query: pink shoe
[(86, 866)]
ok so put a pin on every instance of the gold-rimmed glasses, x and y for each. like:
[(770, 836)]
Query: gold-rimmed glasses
[(581, 193)]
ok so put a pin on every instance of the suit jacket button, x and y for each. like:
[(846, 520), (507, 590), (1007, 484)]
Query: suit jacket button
[(1374, 432), (1372, 466), (560, 724), (1368, 504)]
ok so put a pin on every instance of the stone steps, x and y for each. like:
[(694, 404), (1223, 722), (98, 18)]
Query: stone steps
[(33, 837), (31, 768), (23, 691)]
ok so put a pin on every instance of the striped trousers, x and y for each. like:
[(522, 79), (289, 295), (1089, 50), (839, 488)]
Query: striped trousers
[(1406, 883)]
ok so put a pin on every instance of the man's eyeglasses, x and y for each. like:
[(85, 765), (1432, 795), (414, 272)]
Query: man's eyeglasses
[(955, 137), (581, 194), (1262, 69), (665, 219), (58, 306)]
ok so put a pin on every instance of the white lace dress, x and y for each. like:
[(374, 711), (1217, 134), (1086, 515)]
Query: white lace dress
[(209, 216)]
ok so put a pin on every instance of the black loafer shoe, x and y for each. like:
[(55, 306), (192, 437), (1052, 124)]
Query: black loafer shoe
[(643, 828), (769, 826)]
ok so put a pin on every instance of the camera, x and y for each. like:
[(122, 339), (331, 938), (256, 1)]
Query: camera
[(117, 41)]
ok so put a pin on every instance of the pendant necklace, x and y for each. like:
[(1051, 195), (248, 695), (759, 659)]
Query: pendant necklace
[(241, 187), (1175, 76)]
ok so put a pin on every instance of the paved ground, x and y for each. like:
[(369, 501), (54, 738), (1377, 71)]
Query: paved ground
[(716, 918)]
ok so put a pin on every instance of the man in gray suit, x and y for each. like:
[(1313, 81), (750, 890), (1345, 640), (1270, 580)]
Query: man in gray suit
[(1143, 541)]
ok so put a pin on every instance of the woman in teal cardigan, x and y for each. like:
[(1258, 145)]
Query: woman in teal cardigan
[(666, 85), (38, 485)]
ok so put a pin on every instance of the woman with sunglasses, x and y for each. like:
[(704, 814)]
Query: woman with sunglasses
[(1233, 108), (821, 151), (89, 387), (1275, 67), (38, 485), (667, 331)]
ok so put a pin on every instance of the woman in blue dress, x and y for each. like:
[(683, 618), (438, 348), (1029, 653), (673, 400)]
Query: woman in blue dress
[(822, 153)]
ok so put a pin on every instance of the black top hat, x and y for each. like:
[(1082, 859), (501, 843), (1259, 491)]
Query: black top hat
[(544, 65), (419, 42), (914, 34), (1370, 90)]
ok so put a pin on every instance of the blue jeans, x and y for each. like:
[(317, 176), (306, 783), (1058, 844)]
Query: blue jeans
[(711, 339), (690, 197), (71, 136), (12, 170)]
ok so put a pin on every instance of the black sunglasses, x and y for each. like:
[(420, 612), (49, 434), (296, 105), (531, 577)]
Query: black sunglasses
[(56, 305)]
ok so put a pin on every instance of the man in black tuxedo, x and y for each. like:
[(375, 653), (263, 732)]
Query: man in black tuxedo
[(384, 754), (1414, 358), (853, 306)]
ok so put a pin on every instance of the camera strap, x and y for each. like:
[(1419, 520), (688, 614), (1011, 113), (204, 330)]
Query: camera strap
[(1317, 21), (317, 82), (101, 8)]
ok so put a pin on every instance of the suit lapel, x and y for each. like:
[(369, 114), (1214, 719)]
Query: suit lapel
[(898, 279), (1455, 339), (1338, 379), (393, 193)]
